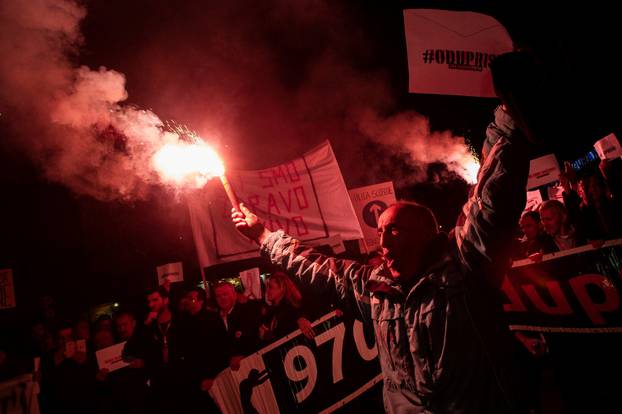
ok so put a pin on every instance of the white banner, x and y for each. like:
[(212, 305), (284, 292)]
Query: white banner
[(111, 358), (608, 148), (449, 52), (369, 202), (173, 272), (543, 170), (306, 197), (7, 289)]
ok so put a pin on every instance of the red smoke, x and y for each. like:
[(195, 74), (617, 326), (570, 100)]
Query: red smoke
[(254, 75)]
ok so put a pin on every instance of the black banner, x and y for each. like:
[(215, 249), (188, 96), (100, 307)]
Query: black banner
[(300, 375), (576, 290)]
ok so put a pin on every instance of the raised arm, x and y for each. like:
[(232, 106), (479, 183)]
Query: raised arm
[(319, 271), (493, 210)]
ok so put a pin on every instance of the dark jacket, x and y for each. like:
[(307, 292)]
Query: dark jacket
[(281, 320), (443, 345), (205, 347), (243, 327)]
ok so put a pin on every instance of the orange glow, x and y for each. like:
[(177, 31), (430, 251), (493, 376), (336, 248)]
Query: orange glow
[(471, 169), (187, 164)]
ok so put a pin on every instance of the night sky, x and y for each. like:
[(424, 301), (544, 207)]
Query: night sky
[(245, 67)]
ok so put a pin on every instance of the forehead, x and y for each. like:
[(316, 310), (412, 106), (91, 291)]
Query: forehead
[(124, 317), (154, 296), (548, 212), (527, 220), (399, 216)]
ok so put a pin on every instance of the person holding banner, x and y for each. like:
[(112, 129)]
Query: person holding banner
[(434, 305), (285, 313)]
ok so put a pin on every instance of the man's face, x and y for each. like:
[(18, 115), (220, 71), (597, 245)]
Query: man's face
[(125, 326), (193, 304), (156, 302), (402, 242), (83, 330), (103, 339), (552, 221), (225, 297), (63, 336), (529, 227)]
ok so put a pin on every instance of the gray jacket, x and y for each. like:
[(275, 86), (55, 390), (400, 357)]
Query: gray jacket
[(443, 345)]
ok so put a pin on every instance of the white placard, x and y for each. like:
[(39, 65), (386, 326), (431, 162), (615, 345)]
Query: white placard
[(174, 272), (251, 282), (543, 170), (608, 148), (534, 199), (111, 358), (449, 52), (369, 202)]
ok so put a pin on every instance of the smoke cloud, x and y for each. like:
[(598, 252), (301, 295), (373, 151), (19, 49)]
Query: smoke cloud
[(250, 76)]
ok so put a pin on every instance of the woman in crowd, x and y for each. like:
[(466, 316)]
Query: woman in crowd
[(284, 313)]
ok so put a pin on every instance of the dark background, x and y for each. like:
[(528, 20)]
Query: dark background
[(82, 251)]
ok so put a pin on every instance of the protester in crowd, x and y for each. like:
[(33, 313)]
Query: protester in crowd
[(157, 349), (125, 324), (82, 329), (592, 207), (42, 341), (535, 240), (103, 339), (285, 313), (556, 223), (442, 340), (103, 322), (240, 320), (126, 387), (205, 347), (67, 376)]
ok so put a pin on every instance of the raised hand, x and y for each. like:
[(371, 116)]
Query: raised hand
[(248, 224)]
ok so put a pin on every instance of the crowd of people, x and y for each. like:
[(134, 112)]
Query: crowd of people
[(432, 299), (589, 213), (173, 353)]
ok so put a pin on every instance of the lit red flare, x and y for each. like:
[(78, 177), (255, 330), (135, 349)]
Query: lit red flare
[(471, 169), (188, 164)]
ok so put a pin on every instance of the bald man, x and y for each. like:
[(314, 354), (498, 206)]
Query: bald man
[(434, 304)]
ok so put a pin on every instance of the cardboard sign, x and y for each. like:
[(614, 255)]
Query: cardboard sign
[(72, 347), (608, 148), (369, 202), (449, 52), (111, 358), (534, 199), (252, 283), (542, 171), (173, 272)]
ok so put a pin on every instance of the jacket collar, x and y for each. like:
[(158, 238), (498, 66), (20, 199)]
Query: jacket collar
[(380, 282)]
